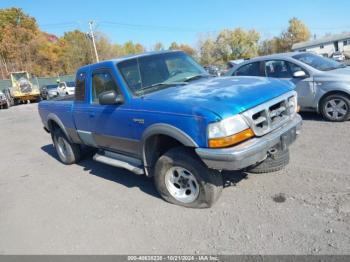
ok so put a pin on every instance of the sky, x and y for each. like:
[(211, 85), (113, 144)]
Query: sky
[(183, 21)]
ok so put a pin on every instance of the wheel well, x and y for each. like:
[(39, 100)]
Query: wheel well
[(53, 125), (335, 92), (154, 147)]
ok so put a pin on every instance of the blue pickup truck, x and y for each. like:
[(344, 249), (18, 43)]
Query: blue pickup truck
[(160, 114)]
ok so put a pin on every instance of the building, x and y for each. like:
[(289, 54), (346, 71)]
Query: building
[(326, 46)]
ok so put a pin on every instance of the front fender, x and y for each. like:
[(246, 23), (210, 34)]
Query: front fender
[(167, 130), (331, 87)]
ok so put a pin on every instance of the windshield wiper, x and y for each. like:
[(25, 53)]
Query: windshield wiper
[(194, 77), (163, 84)]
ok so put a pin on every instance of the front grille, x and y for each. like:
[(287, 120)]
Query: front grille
[(272, 114)]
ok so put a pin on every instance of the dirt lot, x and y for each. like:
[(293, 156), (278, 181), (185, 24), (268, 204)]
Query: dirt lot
[(89, 208)]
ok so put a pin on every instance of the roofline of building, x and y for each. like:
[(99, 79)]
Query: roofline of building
[(323, 40)]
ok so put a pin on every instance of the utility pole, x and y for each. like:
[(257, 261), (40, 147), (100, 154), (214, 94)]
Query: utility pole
[(93, 40)]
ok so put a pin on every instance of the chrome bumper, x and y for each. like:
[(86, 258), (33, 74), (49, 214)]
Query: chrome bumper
[(252, 151)]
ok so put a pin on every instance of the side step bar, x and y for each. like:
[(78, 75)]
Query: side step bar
[(114, 159)]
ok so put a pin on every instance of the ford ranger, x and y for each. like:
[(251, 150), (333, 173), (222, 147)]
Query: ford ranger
[(160, 114)]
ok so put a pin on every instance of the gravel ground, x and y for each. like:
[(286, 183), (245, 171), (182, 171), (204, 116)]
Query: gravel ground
[(89, 208)]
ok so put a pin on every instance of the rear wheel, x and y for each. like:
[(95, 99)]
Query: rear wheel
[(69, 153), (272, 163), (183, 179), (335, 108)]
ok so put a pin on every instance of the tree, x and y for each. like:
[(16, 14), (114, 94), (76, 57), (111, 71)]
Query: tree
[(236, 44), (207, 49), (76, 51), (174, 46), (131, 48), (186, 48), (104, 47), (297, 32), (269, 46), (16, 17), (17, 33), (158, 46)]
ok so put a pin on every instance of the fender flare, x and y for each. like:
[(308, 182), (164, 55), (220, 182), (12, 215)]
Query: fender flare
[(168, 130), (53, 117)]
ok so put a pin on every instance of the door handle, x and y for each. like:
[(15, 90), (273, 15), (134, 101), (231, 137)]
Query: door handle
[(92, 114)]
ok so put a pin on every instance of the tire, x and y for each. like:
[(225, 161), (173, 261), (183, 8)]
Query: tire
[(272, 163), (335, 108), (195, 184), (67, 152)]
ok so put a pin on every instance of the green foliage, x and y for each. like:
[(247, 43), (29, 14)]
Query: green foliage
[(23, 46), (16, 17), (296, 32), (183, 47), (229, 45), (76, 51), (158, 47)]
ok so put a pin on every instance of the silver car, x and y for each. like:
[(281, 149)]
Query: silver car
[(322, 84)]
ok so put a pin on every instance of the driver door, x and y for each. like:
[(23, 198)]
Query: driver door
[(110, 124)]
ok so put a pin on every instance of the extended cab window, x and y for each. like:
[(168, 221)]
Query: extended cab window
[(101, 82), (277, 69), (80, 87), (252, 69)]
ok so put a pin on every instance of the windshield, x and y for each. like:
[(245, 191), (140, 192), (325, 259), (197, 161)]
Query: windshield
[(318, 62), (154, 72)]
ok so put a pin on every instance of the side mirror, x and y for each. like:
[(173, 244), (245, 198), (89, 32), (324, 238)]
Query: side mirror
[(110, 98), (299, 74)]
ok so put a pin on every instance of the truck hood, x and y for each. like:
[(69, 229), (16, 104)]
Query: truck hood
[(225, 96)]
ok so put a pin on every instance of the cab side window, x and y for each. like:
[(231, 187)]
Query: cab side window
[(80, 86), (101, 82), (252, 69), (277, 69)]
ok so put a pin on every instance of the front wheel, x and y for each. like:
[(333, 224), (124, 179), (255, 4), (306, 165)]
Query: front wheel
[(182, 178), (335, 108)]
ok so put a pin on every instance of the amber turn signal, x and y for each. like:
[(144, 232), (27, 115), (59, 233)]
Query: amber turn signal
[(231, 140)]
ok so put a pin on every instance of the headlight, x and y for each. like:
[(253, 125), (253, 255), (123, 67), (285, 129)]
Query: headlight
[(228, 132), (293, 104)]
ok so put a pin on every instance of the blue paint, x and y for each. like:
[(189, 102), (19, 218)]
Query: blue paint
[(188, 107)]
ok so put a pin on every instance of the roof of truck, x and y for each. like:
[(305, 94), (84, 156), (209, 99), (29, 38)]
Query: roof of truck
[(127, 57)]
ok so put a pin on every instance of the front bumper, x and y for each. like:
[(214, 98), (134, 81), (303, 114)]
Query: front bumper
[(252, 151)]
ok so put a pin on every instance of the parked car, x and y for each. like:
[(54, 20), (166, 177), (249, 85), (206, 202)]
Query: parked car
[(233, 63), (160, 114), (4, 103), (213, 70), (338, 56), (66, 88), (7, 93), (49, 91), (322, 84)]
